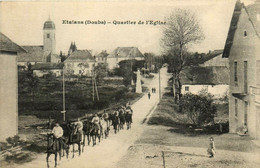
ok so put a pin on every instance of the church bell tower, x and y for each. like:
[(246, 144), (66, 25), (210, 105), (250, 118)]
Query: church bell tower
[(49, 41)]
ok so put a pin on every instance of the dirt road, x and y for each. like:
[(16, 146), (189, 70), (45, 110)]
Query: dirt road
[(111, 150)]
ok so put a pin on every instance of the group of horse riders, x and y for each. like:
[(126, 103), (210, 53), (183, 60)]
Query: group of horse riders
[(78, 129)]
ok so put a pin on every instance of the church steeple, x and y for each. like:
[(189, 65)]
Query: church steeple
[(49, 41), (72, 48)]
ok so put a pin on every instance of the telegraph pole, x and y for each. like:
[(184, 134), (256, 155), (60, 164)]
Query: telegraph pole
[(159, 84), (132, 82), (63, 91)]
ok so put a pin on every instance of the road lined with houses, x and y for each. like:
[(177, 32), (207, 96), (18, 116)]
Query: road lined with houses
[(109, 151)]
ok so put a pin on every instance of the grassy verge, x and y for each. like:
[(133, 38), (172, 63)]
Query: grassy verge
[(180, 133), (167, 114)]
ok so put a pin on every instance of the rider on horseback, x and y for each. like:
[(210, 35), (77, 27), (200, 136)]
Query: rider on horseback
[(96, 120), (130, 111), (79, 125), (57, 132)]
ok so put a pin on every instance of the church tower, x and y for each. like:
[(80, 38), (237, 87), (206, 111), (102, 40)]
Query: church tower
[(49, 41)]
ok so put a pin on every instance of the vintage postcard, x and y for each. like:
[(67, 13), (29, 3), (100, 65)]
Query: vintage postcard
[(122, 84)]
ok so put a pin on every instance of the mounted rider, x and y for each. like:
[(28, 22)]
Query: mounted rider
[(79, 126), (57, 132), (129, 114), (106, 117), (96, 121)]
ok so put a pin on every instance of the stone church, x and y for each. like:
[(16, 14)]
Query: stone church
[(45, 53)]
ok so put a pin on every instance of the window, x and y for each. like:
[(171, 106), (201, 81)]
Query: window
[(245, 114), (235, 72), (187, 88), (245, 33), (236, 108), (48, 35)]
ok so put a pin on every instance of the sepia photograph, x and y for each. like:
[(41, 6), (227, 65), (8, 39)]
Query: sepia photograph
[(130, 84)]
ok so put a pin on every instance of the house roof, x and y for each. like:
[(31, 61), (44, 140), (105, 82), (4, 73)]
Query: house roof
[(130, 52), (79, 55), (252, 12), (47, 66), (102, 54), (34, 54), (205, 76), (212, 55), (8, 45)]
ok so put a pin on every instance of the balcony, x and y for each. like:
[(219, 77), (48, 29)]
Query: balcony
[(255, 91)]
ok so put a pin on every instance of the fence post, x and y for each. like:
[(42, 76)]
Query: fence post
[(163, 159)]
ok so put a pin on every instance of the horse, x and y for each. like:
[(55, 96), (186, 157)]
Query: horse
[(110, 119), (128, 118), (94, 133), (86, 129), (73, 137), (104, 126), (122, 119), (115, 123), (54, 146)]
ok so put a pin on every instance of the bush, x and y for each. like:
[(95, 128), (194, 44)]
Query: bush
[(199, 108), (14, 141)]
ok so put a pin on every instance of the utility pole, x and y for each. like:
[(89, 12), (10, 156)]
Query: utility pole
[(159, 84), (63, 91), (94, 84), (132, 82), (93, 89)]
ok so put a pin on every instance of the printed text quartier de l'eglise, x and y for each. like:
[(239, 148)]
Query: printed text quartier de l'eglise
[(114, 22)]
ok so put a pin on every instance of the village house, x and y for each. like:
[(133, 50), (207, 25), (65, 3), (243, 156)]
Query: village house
[(242, 48), (8, 87), (123, 53), (80, 62), (213, 80), (40, 70), (101, 58)]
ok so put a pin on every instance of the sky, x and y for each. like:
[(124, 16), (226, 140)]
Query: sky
[(23, 23)]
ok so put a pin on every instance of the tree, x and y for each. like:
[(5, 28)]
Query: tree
[(182, 29), (62, 57), (32, 82), (198, 108), (124, 70), (83, 67), (100, 71)]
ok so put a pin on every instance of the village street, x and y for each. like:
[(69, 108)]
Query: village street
[(111, 150)]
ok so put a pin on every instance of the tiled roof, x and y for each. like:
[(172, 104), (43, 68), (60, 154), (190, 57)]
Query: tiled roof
[(205, 76), (47, 66), (102, 54), (232, 28), (34, 54), (212, 55), (8, 45), (130, 52), (79, 55)]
